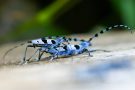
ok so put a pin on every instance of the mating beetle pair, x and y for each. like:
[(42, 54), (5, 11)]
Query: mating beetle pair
[(56, 45)]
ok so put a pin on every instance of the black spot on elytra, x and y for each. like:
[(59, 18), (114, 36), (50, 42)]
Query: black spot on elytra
[(65, 47), (53, 42), (69, 39), (75, 39), (44, 40), (64, 38), (59, 44), (77, 46)]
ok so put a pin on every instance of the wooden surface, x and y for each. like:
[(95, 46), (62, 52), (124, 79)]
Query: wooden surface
[(59, 74)]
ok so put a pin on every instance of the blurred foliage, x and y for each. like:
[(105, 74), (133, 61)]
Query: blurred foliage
[(126, 9), (63, 17), (41, 24)]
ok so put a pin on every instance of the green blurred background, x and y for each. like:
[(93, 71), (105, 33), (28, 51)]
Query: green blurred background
[(28, 19)]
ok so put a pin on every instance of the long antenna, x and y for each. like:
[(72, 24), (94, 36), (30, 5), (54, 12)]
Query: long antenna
[(12, 49), (108, 29)]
